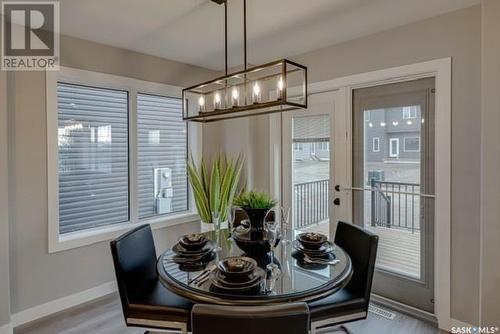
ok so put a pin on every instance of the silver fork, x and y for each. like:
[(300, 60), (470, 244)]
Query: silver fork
[(309, 259)]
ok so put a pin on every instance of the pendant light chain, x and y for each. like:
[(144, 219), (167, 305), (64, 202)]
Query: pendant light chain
[(225, 32), (252, 91), (245, 33)]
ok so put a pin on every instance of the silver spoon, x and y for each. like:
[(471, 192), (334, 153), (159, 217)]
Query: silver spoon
[(321, 261)]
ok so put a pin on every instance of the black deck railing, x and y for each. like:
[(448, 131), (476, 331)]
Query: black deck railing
[(395, 205), (310, 203)]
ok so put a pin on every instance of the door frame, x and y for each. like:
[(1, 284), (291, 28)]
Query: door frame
[(338, 151), (393, 140), (440, 69)]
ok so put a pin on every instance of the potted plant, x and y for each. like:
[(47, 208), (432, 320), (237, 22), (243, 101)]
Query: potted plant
[(214, 187), (256, 205)]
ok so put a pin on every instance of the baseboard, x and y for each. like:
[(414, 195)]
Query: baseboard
[(403, 308), (6, 329), (61, 304)]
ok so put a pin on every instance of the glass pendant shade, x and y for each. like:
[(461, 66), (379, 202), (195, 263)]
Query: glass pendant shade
[(273, 87)]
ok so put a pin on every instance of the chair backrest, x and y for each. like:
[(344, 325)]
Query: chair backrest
[(134, 258), (292, 318), (361, 245)]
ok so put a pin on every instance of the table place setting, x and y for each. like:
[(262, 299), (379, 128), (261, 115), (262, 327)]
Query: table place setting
[(314, 250), (192, 251)]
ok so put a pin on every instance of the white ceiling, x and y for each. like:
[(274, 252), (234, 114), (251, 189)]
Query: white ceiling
[(191, 31)]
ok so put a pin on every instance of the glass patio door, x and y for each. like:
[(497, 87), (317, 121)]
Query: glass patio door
[(393, 185), (310, 151)]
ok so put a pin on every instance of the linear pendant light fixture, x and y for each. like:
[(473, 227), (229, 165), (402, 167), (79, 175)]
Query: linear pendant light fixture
[(273, 87)]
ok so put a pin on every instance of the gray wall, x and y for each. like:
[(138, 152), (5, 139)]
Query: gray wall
[(4, 207), (36, 276), (456, 35), (490, 293)]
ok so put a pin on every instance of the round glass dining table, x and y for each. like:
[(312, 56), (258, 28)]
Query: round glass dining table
[(297, 280)]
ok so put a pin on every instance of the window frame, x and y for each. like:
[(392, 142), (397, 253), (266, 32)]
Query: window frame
[(411, 151), (394, 140), (407, 112), (378, 144), (59, 242)]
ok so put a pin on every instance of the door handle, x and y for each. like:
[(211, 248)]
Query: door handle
[(336, 201), (337, 187)]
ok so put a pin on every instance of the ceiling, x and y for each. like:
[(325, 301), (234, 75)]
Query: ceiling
[(191, 31)]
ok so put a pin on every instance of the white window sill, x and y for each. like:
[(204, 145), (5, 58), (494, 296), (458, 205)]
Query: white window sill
[(107, 233)]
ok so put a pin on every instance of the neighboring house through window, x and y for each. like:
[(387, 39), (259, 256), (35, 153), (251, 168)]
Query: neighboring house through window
[(376, 144), (410, 112), (394, 147), (412, 144)]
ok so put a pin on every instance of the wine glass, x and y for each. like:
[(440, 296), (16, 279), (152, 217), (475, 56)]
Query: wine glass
[(272, 228), (231, 216), (216, 222), (285, 223)]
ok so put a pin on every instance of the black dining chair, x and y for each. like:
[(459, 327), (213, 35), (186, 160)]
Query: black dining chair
[(145, 301), (292, 318), (350, 303)]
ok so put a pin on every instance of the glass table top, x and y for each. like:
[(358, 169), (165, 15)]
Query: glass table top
[(297, 280)]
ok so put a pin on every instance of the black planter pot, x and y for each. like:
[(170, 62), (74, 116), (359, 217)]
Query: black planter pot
[(255, 241), (256, 217)]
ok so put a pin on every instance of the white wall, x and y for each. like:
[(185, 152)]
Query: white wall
[(490, 196), (4, 207), (456, 35), (36, 276)]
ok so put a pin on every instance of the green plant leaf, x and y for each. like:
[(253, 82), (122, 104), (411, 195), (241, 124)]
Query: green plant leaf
[(215, 183), (200, 196)]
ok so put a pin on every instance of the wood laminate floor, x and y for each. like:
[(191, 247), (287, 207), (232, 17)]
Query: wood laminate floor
[(105, 317)]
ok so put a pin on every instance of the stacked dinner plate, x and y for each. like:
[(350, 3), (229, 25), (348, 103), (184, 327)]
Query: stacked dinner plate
[(237, 275), (193, 250), (313, 246)]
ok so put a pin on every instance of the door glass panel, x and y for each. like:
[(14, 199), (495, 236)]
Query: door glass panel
[(392, 171), (311, 173), (393, 183)]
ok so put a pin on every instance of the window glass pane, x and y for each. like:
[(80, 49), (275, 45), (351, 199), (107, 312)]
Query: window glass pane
[(412, 144), (93, 157), (162, 152)]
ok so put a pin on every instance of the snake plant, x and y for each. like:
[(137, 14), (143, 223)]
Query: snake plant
[(214, 185)]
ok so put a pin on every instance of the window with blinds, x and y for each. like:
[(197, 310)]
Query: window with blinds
[(93, 157), (161, 152)]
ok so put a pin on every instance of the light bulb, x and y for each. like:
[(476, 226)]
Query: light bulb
[(382, 123), (370, 125), (256, 89), (409, 122), (235, 94), (280, 88), (201, 103), (395, 123), (217, 100), (256, 93)]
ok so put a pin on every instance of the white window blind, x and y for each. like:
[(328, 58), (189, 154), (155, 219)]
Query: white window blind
[(93, 157), (162, 153)]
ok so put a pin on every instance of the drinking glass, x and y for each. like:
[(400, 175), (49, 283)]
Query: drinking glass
[(231, 216), (272, 228), (216, 221), (285, 224)]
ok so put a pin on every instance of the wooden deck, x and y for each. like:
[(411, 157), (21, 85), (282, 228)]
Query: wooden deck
[(398, 250)]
